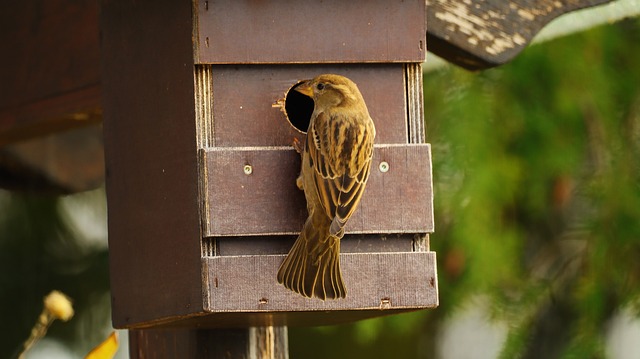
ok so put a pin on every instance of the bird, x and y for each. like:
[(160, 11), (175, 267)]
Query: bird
[(335, 167)]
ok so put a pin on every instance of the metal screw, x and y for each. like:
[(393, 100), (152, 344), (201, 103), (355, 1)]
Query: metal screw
[(248, 169), (384, 167), (385, 303)]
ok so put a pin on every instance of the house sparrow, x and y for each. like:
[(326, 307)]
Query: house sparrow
[(336, 160)]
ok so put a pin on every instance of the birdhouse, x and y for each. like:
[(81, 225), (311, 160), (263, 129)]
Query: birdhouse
[(201, 172)]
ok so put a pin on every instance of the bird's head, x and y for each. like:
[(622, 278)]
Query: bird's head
[(330, 90)]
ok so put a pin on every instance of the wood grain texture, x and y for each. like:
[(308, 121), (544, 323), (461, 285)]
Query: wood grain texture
[(243, 96), (267, 201), (50, 67), (310, 32), (241, 291), (482, 34), (268, 342), (375, 281), (248, 343), (151, 160)]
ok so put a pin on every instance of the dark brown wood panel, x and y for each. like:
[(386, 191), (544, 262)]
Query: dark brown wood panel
[(242, 291), (243, 96), (49, 68), (245, 343), (151, 159), (351, 243), (267, 201), (285, 31), (482, 34), (374, 281)]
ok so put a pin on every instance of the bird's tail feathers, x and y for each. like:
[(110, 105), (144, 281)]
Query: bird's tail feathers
[(312, 267)]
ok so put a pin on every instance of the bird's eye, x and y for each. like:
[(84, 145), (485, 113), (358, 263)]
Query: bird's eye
[(320, 86)]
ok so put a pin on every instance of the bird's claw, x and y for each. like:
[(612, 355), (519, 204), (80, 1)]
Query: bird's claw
[(297, 145)]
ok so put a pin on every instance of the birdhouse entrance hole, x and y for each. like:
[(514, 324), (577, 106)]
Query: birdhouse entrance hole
[(298, 108)]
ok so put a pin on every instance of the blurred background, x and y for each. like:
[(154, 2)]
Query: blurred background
[(537, 208)]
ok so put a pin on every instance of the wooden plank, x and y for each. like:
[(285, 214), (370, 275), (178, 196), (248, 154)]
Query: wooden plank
[(351, 243), (310, 32), (151, 160), (243, 96), (241, 291), (267, 201), (375, 281), (479, 35), (49, 70)]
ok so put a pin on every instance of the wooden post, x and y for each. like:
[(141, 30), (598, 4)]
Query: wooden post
[(249, 343)]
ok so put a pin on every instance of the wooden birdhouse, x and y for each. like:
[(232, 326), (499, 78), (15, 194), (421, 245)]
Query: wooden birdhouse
[(199, 123)]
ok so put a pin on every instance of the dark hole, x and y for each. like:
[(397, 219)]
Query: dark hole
[(298, 108)]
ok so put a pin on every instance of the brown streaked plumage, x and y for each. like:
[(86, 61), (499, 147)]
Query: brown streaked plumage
[(335, 167)]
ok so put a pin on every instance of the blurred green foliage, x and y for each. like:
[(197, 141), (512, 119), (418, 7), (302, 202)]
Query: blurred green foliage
[(41, 250), (537, 202)]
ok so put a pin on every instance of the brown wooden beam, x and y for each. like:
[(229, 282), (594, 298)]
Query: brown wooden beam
[(50, 67), (482, 34)]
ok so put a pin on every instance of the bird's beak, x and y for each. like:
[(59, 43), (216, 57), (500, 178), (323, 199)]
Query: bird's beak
[(305, 88)]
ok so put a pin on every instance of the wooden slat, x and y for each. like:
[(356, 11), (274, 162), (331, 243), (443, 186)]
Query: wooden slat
[(374, 281), (482, 34), (242, 98), (242, 291), (310, 31), (382, 281), (267, 202), (351, 243), (151, 159)]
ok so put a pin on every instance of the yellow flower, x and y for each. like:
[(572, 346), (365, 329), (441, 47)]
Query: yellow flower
[(58, 305)]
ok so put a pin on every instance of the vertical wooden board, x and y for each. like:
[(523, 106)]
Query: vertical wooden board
[(151, 160), (243, 96), (287, 31), (351, 243), (267, 201), (384, 281)]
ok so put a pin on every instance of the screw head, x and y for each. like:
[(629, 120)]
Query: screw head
[(248, 169), (384, 167)]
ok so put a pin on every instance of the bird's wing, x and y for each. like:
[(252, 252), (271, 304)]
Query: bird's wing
[(341, 157)]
